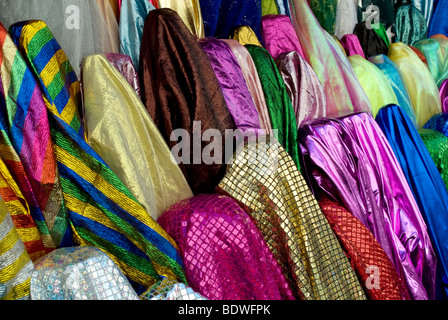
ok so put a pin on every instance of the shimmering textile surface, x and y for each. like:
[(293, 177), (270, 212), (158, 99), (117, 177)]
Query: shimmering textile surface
[(351, 161), (123, 64), (279, 35), (352, 46), (423, 177), (325, 13), (343, 91), (438, 23), (125, 137), (421, 85), (438, 122), (397, 81), (410, 25), (170, 290), (265, 181), (180, 91), (233, 86), (79, 273), (365, 254), (426, 7), (132, 19), (303, 87), (253, 83), (268, 7), (224, 253), (444, 95), (380, 30), (420, 54), (436, 53), (346, 18), (102, 211), (279, 103), (374, 82), (190, 13), (245, 35), (372, 44), (16, 266)]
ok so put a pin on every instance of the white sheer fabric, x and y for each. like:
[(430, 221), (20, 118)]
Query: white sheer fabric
[(346, 17)]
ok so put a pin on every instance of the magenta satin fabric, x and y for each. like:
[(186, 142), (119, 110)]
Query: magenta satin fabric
[(124, 65), (444, 95), (279, 35), (352, 46), (303, 86), (351, 161), (225, 257), (233, 85)]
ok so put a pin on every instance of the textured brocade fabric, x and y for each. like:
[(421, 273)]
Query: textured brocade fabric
[(435, 51), (303, 87), (233, 85), (125, 137), (190, 13), (224, 254), (325, 13), (410, 25), (365, 254), (180, 91), (265, 181), (352, 46), (426, 7), (245, 35), (419, 81), (351, 161), (16, 266)]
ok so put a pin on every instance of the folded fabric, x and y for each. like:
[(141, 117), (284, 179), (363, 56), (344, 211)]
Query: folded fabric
[(444, 95), (410, 24), (438, 122), (352, 46), (435, 51), (190, 13), (245, 35), (438, 24)]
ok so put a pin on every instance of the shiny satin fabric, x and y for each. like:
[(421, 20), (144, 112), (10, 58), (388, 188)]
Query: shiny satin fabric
[(225, 256), (132, 19), (233, 85), (444, 95), (188, 98), (350, 160), (279, 36), (426, 7), (438, 122), (420, 54), (423, 178), (220, 19), (365, 253), (253, 83), (346, 18), (438, 23), (279, 104), (436, 53), (343, 91), (410, 25), (268, 7), (265, 181), (380, 30), (125, 137), (421, 85), (123, 64), (374, 83), (396, 79), (352, 46), (372, 44), (190, 13), (303, 87), (245, 35), (325, 13)]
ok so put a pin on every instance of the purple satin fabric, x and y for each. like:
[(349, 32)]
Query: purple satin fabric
[(351, 161), (303, 86), (253, 82), (279, 35), (352, 46), (444, 95), (124, 65), (225, 257), (233, 85)]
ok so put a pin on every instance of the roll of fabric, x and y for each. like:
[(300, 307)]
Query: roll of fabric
[(374, 83), (253, 83), (397, 81), (125, 137), (372, 44), (346, 18), (225, 255), (352, 46), (303, 87), (190, 101), (410, 25), (444, 95), (438, 24), (350, 160), (123, 64), (423, 177), (233, 86), (438, 122), (79, 273), (279, 104), (265, 181), (365, 253), (325, 13), (330, 64), (190, 13), (421, 85), (245, 35), (279, 36), (102, 211), (436, 54), (132, 20), (16, 266)]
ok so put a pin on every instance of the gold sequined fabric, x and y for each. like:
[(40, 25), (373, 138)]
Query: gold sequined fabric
[(265, 181)]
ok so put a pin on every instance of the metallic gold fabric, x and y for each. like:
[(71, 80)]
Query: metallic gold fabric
[(265, 181), (245, 35), (124, 135), (190, 12)]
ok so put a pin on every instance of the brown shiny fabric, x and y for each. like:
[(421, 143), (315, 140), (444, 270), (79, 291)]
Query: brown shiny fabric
[(365, 253), (179, 87)]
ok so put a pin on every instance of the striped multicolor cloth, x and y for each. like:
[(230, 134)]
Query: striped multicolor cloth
[(102, 211)]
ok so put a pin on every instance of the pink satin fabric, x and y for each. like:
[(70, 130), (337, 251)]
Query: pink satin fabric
[(352, 46), (444, 95)]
